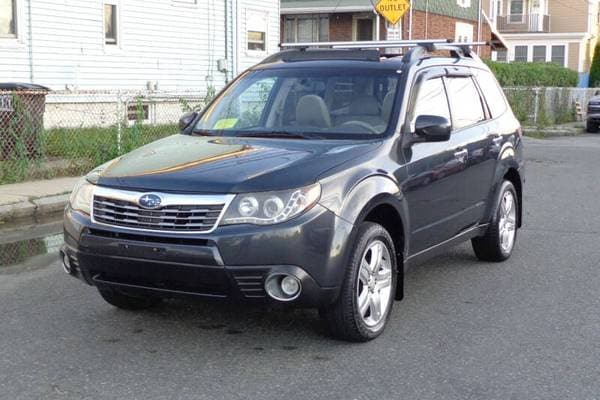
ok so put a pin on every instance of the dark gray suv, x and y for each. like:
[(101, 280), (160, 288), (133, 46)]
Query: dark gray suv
[(593, 114), (315, 179)]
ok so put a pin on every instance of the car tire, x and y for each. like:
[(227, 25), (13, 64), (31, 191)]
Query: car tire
[(500, 238), (591, 127), (369, 283), (127, 302)]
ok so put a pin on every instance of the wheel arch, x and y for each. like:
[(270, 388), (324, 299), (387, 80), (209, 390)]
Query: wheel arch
[(513, 176), (378, 199)]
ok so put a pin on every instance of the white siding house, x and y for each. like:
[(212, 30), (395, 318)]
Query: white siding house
[(169, 45)]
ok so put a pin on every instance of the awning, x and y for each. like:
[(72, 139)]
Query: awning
[(324, 6)]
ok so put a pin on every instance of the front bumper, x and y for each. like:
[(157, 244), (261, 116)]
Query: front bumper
[(593, 117), (230, 263)]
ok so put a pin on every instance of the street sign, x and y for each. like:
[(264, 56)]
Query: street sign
[(392, 10)]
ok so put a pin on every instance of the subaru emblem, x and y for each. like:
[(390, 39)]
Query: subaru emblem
[(150, 201)]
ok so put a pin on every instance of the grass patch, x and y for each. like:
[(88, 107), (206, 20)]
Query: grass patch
[(75, 151)]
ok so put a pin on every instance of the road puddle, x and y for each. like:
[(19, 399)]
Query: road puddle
[(22, 243)]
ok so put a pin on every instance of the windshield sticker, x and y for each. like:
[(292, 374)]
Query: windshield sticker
[(225, 123)]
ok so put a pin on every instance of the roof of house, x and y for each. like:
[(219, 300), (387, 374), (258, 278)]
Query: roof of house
[(443, 7)]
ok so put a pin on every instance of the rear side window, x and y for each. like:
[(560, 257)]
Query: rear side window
[(465, 102), (491, 90), (432, 100)]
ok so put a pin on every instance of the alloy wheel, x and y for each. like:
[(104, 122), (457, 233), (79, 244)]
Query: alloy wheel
[(374, 286), (507, 222)]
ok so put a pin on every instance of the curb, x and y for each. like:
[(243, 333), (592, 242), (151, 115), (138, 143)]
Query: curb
[(550, 133), (33, 208)]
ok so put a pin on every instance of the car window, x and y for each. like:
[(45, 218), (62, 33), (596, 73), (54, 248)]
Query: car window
[(465, 102), (318, 103), (252, 102), (492, 92), (431, 100)]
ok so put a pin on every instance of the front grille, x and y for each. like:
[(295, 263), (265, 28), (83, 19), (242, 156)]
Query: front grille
[(594, 108), (178, 218)]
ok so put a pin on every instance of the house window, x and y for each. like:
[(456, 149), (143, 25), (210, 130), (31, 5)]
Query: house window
[(138, 112), (539, 53), (521, 53), (110, 24), (256, 40), (8, 18), (256, 30), (516, 12), (463, 32), (502, 55), (464, 3), (558, 55), (306, 28)]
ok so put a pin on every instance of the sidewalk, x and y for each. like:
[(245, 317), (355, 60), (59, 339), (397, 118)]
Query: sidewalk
[(31, 199)]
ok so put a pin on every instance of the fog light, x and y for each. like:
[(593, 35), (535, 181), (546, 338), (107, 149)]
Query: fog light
[(290, 285), (283, 287)]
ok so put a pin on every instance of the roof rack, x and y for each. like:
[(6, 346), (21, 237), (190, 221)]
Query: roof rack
[(368, 44), (457, 49), (419, 48)]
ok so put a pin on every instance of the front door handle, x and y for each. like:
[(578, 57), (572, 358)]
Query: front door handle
[(462, 155)]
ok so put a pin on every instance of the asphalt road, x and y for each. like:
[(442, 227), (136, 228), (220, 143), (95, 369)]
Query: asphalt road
[(525, 329)]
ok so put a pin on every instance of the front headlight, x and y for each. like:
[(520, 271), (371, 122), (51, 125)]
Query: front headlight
[(81, 197), (267, 208)]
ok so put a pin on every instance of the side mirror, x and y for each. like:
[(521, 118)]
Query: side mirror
[(433, 128), (186, 119)]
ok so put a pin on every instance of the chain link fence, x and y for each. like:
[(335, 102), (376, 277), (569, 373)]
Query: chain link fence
[(14, 253), (543, 107), (45, 135)]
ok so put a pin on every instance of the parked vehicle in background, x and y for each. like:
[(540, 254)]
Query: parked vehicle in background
[(593, 114), (314, 179)]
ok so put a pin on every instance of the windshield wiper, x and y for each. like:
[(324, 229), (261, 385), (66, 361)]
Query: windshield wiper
[(203, 133), (273, 134)]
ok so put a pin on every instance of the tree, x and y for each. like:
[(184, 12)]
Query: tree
[(595, 69)]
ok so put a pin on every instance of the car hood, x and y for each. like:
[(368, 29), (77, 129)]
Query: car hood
[(595, 99), (195, 164)]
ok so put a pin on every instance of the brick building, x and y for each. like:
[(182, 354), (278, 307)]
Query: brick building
[(326, 20)]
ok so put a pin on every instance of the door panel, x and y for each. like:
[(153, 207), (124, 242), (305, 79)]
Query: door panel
[(435, 192), (470, 119), (434, 189)]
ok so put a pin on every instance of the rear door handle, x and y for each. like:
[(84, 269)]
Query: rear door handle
[(461, 155)]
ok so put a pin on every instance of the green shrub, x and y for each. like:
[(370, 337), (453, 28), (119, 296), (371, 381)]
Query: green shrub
[(595, 68), (533, 74)]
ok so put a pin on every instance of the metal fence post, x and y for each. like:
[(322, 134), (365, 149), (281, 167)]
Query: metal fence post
[(119, 120), (536, 106)]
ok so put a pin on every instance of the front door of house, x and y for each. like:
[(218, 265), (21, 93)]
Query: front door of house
[(364, 29)]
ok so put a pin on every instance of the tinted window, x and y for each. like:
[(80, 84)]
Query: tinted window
[(492, 92), (465, 102), (432, 99)]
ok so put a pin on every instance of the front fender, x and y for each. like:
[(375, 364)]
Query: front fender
[(354, 203)]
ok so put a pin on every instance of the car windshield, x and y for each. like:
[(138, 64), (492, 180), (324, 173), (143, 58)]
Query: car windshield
[(303, 103)]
